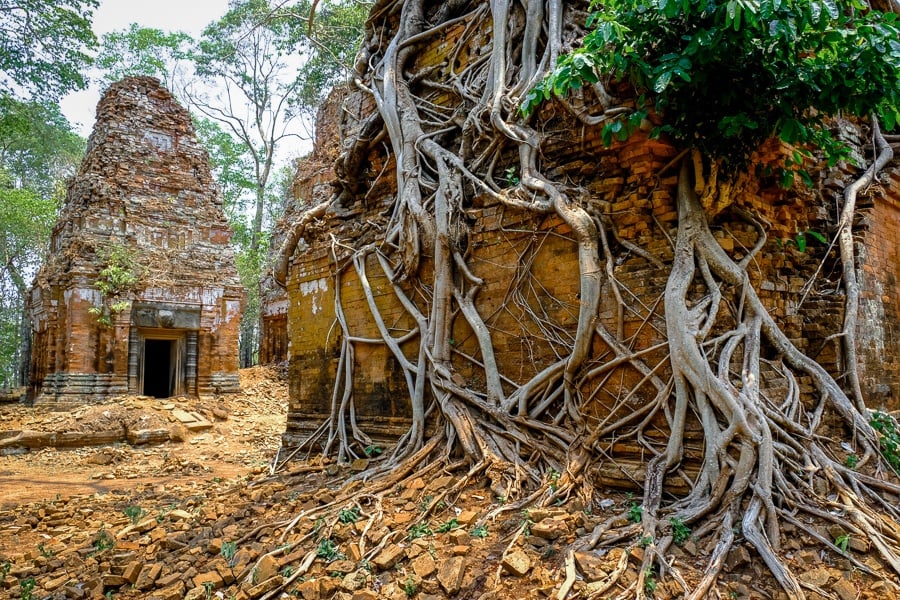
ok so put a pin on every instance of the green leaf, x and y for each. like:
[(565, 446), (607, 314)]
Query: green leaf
[(817, 236), (662, 81)]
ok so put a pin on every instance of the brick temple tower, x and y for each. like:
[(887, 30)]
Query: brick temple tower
[(140, 294)]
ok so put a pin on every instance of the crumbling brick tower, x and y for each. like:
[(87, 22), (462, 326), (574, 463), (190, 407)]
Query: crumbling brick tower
[(140, 294)]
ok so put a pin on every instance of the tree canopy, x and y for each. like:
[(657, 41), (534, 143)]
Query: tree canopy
[(725, 75), (45, 46), (142, 51), (38, 150)]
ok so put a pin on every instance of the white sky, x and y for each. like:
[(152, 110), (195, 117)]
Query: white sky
[(190, 16)]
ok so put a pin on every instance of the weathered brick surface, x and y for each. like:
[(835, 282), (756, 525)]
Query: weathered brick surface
[(311, 185), (144, 186), (529, 264)]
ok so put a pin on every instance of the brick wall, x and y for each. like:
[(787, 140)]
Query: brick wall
[(529, 265), (144, 188)]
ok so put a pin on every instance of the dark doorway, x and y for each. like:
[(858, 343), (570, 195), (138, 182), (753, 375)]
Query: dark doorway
[(159, 368)]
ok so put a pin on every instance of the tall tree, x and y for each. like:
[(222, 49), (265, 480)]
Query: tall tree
[(243, 57), (38, 150), (268, 74), (44, 46), (143, 51)]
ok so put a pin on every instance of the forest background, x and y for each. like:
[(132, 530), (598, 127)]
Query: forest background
[(253, 80)]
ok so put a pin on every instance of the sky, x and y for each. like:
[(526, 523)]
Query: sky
[(190, 16)]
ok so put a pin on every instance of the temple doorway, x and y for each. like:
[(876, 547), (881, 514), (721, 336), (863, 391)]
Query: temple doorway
[(160, 368)]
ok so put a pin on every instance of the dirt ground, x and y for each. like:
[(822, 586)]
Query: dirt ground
[(245, 434), (200, 517)]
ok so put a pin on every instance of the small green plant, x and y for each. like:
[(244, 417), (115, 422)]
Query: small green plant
[(287, 571), (512, 179), (447, 525), (5, 568), (26, 587), (425, 502), (320, 523), (635, 512), (842, 542), (46, 553), (373, 451), (645, 541), (119, 277), (228, 551), (801, 241), (409, 586), (526, 523), (479, 532), (680, 531), (349, 515), (851, 461), (419, 530), (208, 587), (103, 542), (328, 550), (650, 582), (553, 479), (134, 513), (889, 440)]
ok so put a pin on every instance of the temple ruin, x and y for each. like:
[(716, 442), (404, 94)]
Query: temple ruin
[(140, 294), (529, 265)]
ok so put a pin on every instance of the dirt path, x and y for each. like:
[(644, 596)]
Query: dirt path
[(244, 435)]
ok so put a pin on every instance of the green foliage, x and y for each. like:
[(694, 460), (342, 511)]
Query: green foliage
[(38, 150), (5, 568), (650, 582), (448, 526), (842, 542), (646, 540), (851, 461), (349, 515), (553, 479), (635, 512), (328, 550), (44, 551), (44, 46), (726, 75), (228, 551), (118, 278), (103, 542), (802, 242), (372, 451), (479, 532), (419, 530), (680, 531), (231, 165), (134, 513), (889, 440), (27, 588), (329, 48), (409, 586), (141, 51)]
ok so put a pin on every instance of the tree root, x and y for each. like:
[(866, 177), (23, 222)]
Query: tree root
[(535, 439)]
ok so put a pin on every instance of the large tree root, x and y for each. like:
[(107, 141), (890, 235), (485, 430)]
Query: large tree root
[(764, 458)]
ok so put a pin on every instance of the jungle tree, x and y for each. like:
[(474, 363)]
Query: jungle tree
[(716, 79)]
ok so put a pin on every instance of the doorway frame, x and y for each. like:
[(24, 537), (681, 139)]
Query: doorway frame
[(185, 377)]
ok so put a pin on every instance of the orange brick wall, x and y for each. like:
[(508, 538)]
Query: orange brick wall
[(529, 264)]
